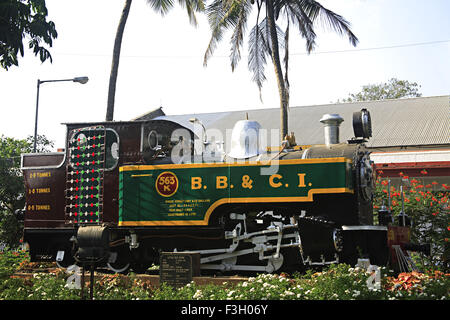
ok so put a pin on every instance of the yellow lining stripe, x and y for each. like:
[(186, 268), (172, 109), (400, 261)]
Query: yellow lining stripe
[(226, 164), (219, 202), (141, 175)]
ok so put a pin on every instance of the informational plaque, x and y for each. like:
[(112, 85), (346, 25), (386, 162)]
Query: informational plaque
[(177, 268)]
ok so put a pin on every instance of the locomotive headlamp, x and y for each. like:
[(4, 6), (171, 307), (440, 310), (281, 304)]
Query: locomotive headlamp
[(362, 124), (153, 140)]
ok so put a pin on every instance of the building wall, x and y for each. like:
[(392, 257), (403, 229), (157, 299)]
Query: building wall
[(428, 166)]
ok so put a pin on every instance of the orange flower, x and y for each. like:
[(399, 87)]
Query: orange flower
[(405, 280)]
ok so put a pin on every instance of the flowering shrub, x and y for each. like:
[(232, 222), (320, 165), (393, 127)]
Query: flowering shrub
[(428, 206), (415, 285), (11, 261), (338, 282), (52, 285), (40, 287)]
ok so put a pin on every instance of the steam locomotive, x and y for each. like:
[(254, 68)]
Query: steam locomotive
[(121, 193)]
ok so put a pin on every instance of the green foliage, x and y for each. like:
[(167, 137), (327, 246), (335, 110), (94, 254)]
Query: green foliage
[(12, 184), (40, 287), (337, 282), (10, 262), (428, 206), (20, 18), (393, 89), (11, 188)]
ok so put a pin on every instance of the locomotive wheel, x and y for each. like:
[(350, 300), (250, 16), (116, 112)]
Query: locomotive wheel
[(66, 262), (68, 259), (122, 262), (119, 267)]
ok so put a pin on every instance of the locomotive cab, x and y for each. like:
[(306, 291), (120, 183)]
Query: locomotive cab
[(79, 186)]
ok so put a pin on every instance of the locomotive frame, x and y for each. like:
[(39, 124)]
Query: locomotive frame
[(116, 198)]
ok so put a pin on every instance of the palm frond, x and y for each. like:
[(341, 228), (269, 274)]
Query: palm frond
[(192, 6), (264, 26), (295, 13), (161, 6), (330, 19), (237, 37), (258, 49), (220, 15)]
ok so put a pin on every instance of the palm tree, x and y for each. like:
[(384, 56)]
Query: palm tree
[(161, 6), (266, 38)]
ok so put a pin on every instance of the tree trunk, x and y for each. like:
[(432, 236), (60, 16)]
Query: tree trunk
[(278, 71), (115, 61)]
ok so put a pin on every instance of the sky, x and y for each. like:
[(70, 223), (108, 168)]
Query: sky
[(161, 63)]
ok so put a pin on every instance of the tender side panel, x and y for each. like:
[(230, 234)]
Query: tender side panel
[(44, 176), (187, 194)]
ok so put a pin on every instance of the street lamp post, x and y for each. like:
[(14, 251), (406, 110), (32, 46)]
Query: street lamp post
[(81, 80)]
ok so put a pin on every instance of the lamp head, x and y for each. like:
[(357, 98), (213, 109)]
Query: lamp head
[(81, 80)]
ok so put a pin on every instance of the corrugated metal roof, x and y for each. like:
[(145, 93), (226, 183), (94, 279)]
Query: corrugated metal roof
[(395, 123)]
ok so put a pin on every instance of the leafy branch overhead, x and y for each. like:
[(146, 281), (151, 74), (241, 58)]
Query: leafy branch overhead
[(267, 38), (21, 19), (393, 89), (12, 195)]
